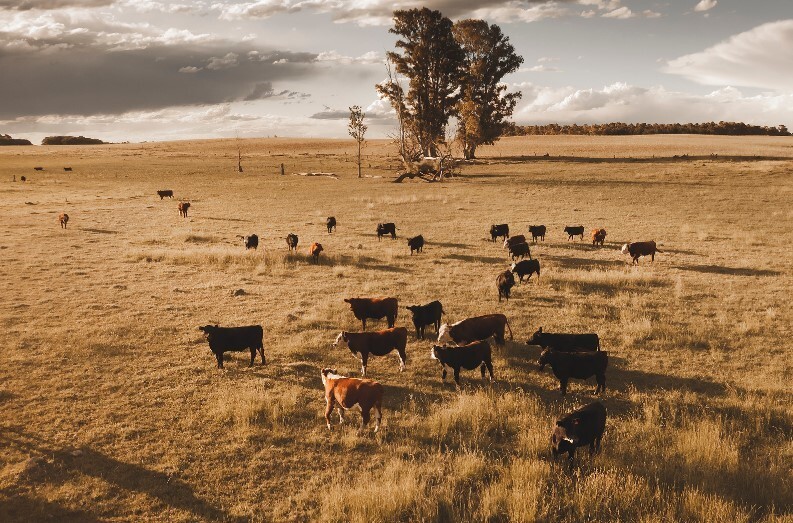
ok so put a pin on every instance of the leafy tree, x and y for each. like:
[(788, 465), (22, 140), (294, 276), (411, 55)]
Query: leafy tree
[(357, 130)]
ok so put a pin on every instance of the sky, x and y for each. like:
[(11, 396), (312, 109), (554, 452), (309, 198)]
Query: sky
[(146, 70)]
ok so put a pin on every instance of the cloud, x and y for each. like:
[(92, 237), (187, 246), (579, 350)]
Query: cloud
[(706, 5), (541, 68), (760, 57), (621, 13), (28, 5), (372, 57), (218, 63)]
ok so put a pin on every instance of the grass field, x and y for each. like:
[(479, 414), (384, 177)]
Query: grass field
[(111, 408)]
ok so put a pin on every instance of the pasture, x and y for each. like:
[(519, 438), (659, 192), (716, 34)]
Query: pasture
[(112, 408)]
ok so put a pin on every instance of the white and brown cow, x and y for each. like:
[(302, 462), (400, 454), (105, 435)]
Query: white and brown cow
[(639, 249), (344, 393), (377, 343)]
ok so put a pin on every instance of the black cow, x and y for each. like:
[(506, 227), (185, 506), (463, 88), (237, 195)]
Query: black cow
[(38, 168), (166, 193), (537, 231), (67, 169), (469, 357), (386, 228), (251, 242), (501, 230), (579, 365), (416, 244), (423, 315), (235, 339), (520, 250), (331, 223), (574, 231), (565, 342), (526, 267), (580, 428), (505, 282), (291, 242)]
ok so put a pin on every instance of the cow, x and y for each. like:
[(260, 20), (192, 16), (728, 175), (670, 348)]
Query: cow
[(377, 343), (416, 244), (250, 242), (501, 230), (38, 168), (183, 206), (344, 393), (234, 339), (580, 428), (526, 268), (291, 242), (63, 219), (514, 240), (165, 193), (537, 231), (469, 357), (639, 249), (423, 315), (520, 250), (565, 342), (475, 329), (598, 236), (579, 365), (23, 178), (331, 223), (67, 169), (386, 228), (314, 251), (504, 283), (572, 230), (374, 308)]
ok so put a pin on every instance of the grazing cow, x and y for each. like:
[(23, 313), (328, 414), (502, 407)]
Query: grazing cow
[(580, 428), (565, 342), (574, 231), (183, 206), (423, 315), (22, 178), (166, 193), (526, 267), (416, 244), (38, 168), (251, 242), (639, 249), (579, 365), (344, 393), (67, 169), (504, 283), (475, 329), (520, 250), (514, 240), (235, 339), (63, 219), (331, 223), (377, 343), (314, 251), (291, 242), (374, 308), (537, 231), (469, 357), (386, 228), (501, 230), (598, 236)]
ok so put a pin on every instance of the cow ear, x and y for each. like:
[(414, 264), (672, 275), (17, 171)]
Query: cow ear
[(540, 331)]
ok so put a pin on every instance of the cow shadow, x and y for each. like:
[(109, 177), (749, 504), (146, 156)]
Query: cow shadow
[(98, 231), (20, 507), (450, 245), (566, 262), (623, 380), (580, 245), (732, 271), (481, 259)]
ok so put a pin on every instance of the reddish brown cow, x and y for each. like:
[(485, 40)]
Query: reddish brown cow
[(377, 343), (475, 329), (639, 249), (374, 308), (344, 393), (63, 218), (598, 236), (314, 251), (183, 206), (509, 242)]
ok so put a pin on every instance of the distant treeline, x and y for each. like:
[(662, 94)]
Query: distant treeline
[(70, 140), (6, 139), (619, 128)]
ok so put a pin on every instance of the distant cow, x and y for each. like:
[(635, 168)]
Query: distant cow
[(183, 206), (514, 240), (423, 315), (501, 230), (291, 242), (235, 339), (374, 308), (38, 168), (520, 250), (565, 342), (331, 223), (469, 357), (67, 169), (639, 249), (579, 365), (167, 193), (416, 244), (315, 250), (537, 231), (22, 178), (598, 236), (504, 283), (63, 219), (574, 231), (526, 268), (344, 393), (386, 228), (250, 242), (580, 428), (475, 329), (377, 343)]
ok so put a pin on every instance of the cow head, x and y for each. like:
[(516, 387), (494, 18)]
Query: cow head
[(208, 329), (380, 228), (545, 358), (413, 308), (341, 341), (443, 334), (564, 440), (328, 373), (626, 248), (512, 267), (434, 352), (535, 338)]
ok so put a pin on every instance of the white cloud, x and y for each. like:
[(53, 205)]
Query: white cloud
[(219, 63), (621, 13), (372, 57), (190, 69), (541, 68), (760, 57), (705, 5)]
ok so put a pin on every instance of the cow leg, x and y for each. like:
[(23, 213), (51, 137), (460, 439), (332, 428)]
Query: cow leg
[(253, 356), (341, 414), (457, 376), (652, 257), (219, 356), (391, 321), (563, 386), (571, 458), (443, 376), (378, 416), (597, 442), (490, 370), (365, 416), (364, 360), (601, 384), (261, 352), (402, 360), (482, 370)]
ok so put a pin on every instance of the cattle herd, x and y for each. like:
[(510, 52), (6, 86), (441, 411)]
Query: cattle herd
[(463, 345)]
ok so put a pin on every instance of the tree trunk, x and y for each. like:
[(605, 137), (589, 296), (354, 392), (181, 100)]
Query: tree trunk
[(359, 159)]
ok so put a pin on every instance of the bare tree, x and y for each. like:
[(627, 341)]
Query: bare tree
[(357, 130)]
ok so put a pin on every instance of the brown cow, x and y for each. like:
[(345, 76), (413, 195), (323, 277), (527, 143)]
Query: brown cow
[(509, 242), (314, 251), (598, 236), (475, 329), (63, 218), (183, 206), (374, 308), (344, 393), (377, 343), (291, 241), (639, 249)]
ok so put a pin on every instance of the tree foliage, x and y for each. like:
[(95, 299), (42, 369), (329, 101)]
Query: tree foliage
[(619, 128), (357, 130)]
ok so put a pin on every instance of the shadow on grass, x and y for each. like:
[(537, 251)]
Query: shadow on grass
[(98, 231), (655, 159), (20, 507), (576, 263), (481, 259), (732, 271), (450, 245)]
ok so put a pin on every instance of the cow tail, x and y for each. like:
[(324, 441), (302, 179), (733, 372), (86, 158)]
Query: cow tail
[(510, 330)]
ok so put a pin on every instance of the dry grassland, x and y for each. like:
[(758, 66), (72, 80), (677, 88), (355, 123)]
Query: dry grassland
[(112, 408)]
